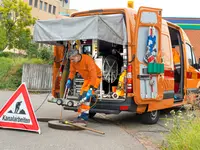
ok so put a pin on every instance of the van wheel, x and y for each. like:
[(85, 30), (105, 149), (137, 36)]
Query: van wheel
[(91, 115), (150, 117)]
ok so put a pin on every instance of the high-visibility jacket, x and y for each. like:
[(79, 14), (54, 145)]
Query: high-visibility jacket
[(87, 68), (176, 58)]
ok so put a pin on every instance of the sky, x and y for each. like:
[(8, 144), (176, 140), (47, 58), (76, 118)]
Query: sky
[(171, 8)]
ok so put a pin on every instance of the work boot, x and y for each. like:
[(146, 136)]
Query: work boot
[(79, 120), (94, 98)]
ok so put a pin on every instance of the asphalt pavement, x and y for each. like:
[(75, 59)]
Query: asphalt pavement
[(122, 132)]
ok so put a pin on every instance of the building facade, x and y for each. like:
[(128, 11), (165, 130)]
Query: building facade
[(49, 9)]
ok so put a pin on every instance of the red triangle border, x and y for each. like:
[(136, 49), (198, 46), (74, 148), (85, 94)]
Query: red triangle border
[(34, 127)]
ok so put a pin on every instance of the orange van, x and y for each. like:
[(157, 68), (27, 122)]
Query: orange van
[(140, 74)]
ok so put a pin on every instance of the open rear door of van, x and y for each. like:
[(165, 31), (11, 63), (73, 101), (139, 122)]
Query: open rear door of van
[(148, 84)]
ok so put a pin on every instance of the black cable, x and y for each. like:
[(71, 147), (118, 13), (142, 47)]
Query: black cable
[(42, 103), (55, 81)]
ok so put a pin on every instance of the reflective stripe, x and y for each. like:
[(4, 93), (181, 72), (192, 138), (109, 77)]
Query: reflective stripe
[(84, 108), (85, 111), (87, 103), (177, 67)]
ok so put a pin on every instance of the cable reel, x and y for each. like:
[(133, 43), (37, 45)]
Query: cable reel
[(110, 69)]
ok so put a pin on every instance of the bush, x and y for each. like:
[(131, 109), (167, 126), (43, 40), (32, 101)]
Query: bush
[(185, 127), (35, 61), (11, 71), (185, 136), (3, 41), (13, 79), (6, 64), (32, 50), (6, 54), (46, 53)]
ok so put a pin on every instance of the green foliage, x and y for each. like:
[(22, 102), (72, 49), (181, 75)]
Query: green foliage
[(184, 127), (46, 53), (6, 73), (13, 78), (24, 39), (3, 38), (11, 71), (15, 19), (6, 64), (6, 54), (32, 50), (185, 135), (35, 61)]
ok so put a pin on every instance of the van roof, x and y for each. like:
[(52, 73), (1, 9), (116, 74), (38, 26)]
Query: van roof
[(122, 10), (178, 27), (104, 11)]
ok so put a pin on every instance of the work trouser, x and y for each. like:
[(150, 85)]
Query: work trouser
[(83, 110), (177, 72), (177, 76)]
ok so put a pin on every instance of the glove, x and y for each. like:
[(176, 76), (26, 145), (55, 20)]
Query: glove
[(89, 94), (68, 84)]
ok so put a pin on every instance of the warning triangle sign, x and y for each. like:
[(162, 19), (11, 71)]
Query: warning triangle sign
[(18, 112)]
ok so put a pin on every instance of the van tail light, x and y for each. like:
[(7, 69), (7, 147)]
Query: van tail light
[(198, 75), (129, 86)]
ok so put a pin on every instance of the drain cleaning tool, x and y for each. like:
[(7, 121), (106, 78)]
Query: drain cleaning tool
[(75, 125), (65, 95), (151, 82), (145, 87), (82, 127)]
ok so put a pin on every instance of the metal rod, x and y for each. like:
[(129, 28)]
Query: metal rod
[(82, 127)]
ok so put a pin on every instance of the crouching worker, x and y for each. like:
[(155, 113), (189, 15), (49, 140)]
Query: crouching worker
[(177, 69), (91, 73)]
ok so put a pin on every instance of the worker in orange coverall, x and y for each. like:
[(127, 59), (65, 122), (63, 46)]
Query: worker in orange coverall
[(177, 68), (91, 73)]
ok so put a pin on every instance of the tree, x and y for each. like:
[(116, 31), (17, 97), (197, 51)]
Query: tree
[(16, 19), (3, 38), (32, 50)]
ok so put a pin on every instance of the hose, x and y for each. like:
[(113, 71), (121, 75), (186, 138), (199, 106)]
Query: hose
[(54, 82)]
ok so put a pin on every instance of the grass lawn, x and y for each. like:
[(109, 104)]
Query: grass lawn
[(11, 71), (185, 134)]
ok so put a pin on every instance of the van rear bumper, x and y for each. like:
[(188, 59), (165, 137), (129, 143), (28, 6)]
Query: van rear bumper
[(110, 106)]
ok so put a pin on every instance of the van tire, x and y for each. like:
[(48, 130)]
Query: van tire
[(91, 114), (150, 117)]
